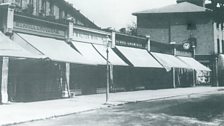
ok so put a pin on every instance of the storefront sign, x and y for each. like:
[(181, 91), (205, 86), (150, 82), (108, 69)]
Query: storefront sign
[(85, 36), (130, 44), (37, 29)]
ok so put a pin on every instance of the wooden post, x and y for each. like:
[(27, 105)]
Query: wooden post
[(65, 76), (67, 72), (108, 77), (111, 77), (174, 78), (4, 82)]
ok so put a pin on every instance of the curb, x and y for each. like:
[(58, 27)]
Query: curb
[(111, 104)]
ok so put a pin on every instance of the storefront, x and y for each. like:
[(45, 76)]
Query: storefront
[(180, 71), (10, 53), (94, 45)]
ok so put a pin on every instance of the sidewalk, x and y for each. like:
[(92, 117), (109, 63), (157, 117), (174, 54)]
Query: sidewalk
[(23, 112)]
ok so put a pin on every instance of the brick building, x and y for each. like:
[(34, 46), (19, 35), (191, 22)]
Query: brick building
[(186, 22)]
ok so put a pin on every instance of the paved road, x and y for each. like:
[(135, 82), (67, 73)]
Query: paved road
[(189, 111)]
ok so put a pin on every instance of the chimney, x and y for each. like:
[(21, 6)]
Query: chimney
[(196, 2)]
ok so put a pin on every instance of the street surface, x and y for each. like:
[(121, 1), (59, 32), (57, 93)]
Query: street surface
[(194, 110)]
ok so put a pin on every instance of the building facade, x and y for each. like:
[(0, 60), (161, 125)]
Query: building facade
[(182, 23)]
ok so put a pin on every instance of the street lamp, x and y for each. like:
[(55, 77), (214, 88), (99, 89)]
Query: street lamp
[(193, 55), (174, 73)]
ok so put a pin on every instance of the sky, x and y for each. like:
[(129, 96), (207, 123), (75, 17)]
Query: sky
[(115, 13)]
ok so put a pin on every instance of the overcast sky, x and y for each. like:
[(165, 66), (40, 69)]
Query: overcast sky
[(115, 13)]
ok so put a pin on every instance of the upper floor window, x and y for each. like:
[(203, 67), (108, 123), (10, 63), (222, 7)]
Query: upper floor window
[(51, 9), (218, 46), (18, 3), (191, 26), (217, 25)]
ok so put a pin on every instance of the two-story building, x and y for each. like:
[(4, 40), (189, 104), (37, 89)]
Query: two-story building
[(48, 49), (185, 22)]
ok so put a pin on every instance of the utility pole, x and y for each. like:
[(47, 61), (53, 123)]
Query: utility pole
[(107, 71)]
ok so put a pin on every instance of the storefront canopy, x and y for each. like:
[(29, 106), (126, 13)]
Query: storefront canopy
[(9, 48), (56, 50), (113, 58), (194, 63), (89, 52), (170, 61), (139, 57)]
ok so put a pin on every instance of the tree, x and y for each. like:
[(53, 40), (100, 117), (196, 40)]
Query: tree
[(131, 29)]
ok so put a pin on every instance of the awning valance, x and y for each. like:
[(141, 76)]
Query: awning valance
[(170, 61), (113, 58), (9, 48), (89, 52), (139, 57), (194, 63), (56, 50)]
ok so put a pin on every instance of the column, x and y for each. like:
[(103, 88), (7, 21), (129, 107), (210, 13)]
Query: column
[(148, 43), (67, 76), (174, 71), (4, 81)]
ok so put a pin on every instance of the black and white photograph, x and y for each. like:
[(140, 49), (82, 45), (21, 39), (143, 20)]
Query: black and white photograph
[(111, 62)]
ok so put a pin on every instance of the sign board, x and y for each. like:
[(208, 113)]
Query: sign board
[(90, 37), (38, 29), (129, 44)]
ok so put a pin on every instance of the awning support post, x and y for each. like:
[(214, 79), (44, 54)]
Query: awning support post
[(108, 77), (67, 75), (174, 78), (4, 81)]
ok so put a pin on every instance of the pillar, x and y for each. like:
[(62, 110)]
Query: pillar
[(4, 81), (148, 43), (113, 37), (216, 72), (67, 75), (65, 83)]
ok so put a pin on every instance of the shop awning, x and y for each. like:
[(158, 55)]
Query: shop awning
[(170, 61), (11, 49), (56, 50), (139, 57), (194, 63), (114, 59), (89, 52)]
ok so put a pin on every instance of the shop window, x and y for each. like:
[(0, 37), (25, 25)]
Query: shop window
[(191, 26), (218, 46)]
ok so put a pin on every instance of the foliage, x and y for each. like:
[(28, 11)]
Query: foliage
[(131, 29)]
